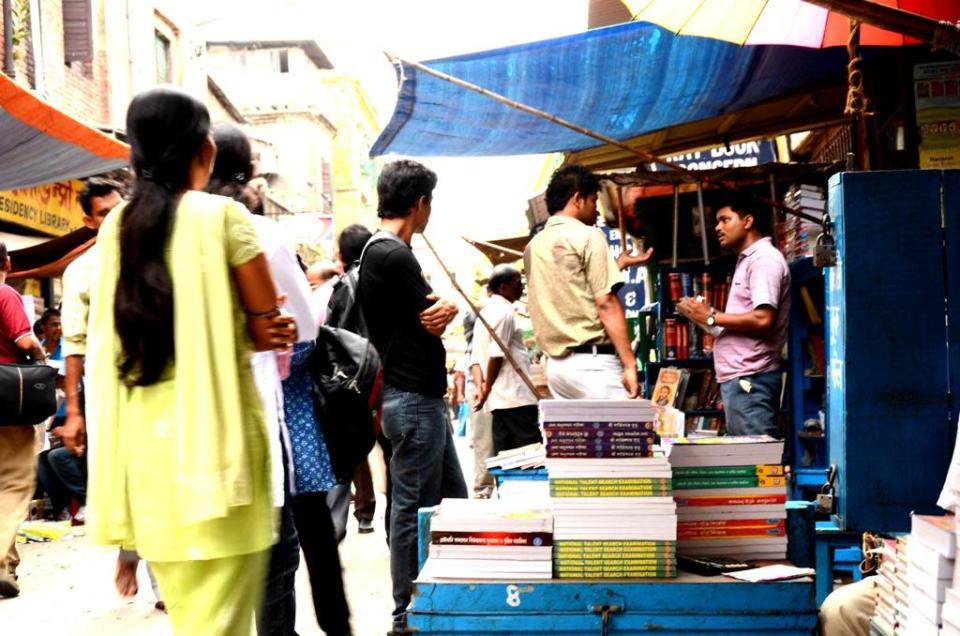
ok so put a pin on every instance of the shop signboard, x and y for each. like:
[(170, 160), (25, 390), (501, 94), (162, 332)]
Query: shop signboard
[(937, 94), (748, 153), (632, 294), (53, 209)]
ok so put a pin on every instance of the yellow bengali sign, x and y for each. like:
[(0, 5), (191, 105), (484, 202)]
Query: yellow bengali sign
[(53, 208), (937, 94)]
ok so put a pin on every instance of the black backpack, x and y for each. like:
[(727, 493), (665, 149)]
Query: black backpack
[(347, 375)]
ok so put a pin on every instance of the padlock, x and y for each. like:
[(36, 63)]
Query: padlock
[(825, 249), (825, 503)]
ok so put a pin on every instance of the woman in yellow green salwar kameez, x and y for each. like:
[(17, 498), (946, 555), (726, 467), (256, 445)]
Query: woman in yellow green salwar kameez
[(181, 297)]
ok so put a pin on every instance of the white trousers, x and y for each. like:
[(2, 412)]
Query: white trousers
[(586, 376)]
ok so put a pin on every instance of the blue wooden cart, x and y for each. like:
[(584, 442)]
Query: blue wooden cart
[(688, 604)]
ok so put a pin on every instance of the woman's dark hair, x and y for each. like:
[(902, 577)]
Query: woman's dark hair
[(166, 129), (351, 242), (567, 182), (743, 204), (233, 167), (400, 186)]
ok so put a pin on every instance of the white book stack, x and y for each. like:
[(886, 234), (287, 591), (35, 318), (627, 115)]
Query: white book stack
[(610, 488), (529, 456), (731, 497), (489, 539), (800, 235), (890, 586), (930, 563), (950, 613)]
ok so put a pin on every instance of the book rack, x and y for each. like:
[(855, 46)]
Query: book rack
[(681, 344)]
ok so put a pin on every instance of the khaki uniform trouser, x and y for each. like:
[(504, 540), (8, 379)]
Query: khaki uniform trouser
[(18, 475), (481, 439), (848, 609)]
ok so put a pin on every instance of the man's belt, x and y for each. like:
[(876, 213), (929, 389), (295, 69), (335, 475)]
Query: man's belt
[(599, 349)]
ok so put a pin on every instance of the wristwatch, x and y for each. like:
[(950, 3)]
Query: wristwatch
[(712, 318)]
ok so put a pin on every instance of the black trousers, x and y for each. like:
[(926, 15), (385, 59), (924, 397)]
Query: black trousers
[(517, 427), (278, 614), (315, 527)]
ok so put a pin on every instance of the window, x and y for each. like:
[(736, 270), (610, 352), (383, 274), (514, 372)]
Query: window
[(77, 31), (281, 60), (162, 51)]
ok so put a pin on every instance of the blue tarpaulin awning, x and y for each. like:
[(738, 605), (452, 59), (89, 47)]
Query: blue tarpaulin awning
[(623, 81)]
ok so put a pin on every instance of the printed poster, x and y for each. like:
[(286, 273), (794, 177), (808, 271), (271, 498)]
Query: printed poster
[(937, 93)]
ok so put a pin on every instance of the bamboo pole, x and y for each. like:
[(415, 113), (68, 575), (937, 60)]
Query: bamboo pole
[(621, 223), (703, 225), (940, 34), (676, 222), (493, 334), (640, 154)]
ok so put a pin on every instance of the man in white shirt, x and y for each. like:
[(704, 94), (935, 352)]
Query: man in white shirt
[(500, 387)]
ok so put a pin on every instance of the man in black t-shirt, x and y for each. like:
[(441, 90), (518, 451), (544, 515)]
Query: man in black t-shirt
[(406, 320)]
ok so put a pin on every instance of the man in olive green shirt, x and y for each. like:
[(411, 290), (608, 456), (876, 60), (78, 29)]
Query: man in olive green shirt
[(578, 320)]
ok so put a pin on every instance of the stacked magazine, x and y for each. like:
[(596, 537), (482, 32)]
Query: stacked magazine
[(731, 497), (611, 490), (489, 539)]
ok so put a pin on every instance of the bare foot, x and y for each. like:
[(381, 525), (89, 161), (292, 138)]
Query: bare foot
[(126, 578)]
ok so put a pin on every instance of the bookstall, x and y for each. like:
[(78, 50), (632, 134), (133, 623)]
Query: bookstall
[(872, 398), (663, 209), (595, 545)]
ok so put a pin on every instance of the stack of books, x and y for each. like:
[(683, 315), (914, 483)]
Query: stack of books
[(731, 497), (800, 235), (891, 587), (950, 615), (930, 563), (489, 539), (529, 456), (610, 487)]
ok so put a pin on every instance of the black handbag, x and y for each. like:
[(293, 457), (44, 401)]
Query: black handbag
[(28, 393)]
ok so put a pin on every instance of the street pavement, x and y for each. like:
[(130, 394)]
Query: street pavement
[(67, 586)]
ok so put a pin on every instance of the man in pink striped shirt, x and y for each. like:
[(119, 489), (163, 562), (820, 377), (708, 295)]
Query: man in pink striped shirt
[(753, 326)]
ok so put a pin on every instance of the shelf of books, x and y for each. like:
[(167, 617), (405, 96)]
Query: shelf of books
[(682, 376)]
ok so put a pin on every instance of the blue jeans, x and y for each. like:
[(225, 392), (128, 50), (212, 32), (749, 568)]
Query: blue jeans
[(424, 469), (63, 476), (752, 412)]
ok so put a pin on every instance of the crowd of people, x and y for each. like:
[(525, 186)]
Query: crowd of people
[(189, 427)]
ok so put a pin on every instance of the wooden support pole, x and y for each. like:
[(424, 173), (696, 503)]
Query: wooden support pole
[(493, 334), (703, 225), (676, 222)]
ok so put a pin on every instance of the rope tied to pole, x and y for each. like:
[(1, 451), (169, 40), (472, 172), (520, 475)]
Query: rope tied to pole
[(857, 101)]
